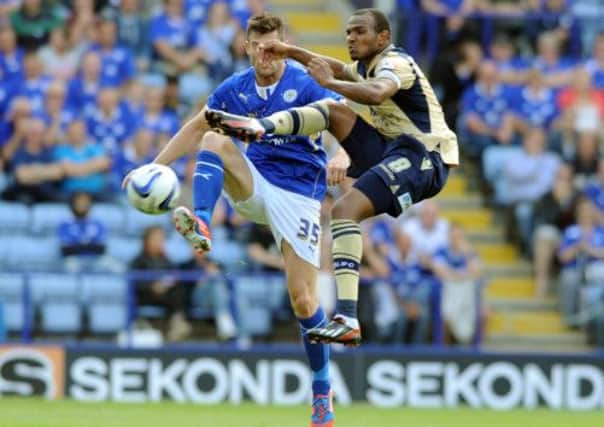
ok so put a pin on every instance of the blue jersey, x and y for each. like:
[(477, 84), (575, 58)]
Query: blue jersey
[(294, 163)]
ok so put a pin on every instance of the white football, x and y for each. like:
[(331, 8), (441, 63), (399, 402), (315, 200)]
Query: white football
[(153, 189)]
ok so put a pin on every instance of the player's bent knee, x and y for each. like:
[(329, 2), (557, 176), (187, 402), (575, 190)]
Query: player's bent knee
[(343, 210), (216, 143)]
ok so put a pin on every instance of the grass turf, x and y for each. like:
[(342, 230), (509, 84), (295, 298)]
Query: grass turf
[(16, 412)]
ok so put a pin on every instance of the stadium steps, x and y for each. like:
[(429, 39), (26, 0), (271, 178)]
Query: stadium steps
[(515, 318)]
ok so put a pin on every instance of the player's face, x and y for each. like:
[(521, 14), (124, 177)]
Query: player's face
[(266, 65), (362, 40)]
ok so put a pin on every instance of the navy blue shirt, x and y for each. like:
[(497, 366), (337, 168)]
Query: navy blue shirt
[(294, 163)]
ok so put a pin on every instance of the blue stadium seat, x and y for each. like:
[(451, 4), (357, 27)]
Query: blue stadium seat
[(178, 249), (33, 253), (110, 215), (11, 296), (124, 249), (253, 308), (46, 217), (137, 222), (105, 298), (15, 218), (231, 255), (56, 296)]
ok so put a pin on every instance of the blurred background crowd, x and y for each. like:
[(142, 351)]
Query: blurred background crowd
[(90, 90)]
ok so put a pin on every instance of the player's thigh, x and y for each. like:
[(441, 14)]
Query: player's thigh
[(301, 278), (238, 181), (341, 120), (364, 145), (355, 205), (407, 174)]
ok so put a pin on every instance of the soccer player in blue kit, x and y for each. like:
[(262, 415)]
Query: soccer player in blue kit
[(280, 181), (401, 158)]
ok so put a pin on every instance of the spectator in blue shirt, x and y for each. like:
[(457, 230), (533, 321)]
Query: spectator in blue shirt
[(557, 70), (458, 268), (156, 118), (11, 56), (34, 173), (82, 91), (511, 68), (171, 36), (133, 30), (84, 161), (56, 114), (83, 240), (582, 256), (486, 107), (35, 81), (110, 124), (117, 62), (535, 104), (196, 11), (215, 38), (595, 65), (18, 110)]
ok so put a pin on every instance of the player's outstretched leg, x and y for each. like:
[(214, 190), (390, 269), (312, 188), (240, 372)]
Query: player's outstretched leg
[(208, 180), (307, 120)]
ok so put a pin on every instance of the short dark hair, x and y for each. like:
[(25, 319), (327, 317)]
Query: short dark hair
[(264, 23), (380, 19)]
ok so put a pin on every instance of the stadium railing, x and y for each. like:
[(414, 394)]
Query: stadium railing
[(30, 298)]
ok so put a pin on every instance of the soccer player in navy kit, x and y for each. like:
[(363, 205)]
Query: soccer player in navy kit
[(280, 181), (401, 159)]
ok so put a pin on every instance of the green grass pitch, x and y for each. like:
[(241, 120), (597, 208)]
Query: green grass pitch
[(39, 413)]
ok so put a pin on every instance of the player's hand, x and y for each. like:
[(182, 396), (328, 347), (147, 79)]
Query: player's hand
[(126, 179), (320, 70), (337, 168), (275, 49)]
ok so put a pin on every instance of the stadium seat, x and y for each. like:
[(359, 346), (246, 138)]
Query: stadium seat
[(46, 217), (253, 307), (110, 215), (105, 298), (15, 218), (33, 254), (229, 254), (56, 296), (11, 296), (124, 249), (178, 249), (137, 222)]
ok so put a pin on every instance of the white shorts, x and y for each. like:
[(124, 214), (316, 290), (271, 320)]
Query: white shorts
[(290, 216)]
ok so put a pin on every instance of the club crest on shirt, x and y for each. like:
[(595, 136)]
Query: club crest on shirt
[(290, 95)]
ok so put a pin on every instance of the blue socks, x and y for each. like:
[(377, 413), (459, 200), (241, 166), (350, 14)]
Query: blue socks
[(207, 184), (317, 354)]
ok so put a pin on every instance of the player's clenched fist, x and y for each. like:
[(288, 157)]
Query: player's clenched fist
[(337, 168), (274, 48), (320, 70)]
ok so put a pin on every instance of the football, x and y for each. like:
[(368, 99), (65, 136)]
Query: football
[(153, 189)]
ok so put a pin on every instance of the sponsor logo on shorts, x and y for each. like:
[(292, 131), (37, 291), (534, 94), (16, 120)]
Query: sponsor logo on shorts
[(405, 201)]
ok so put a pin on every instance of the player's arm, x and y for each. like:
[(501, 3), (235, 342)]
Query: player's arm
[(284, 50), (369, 92), (185, 140)]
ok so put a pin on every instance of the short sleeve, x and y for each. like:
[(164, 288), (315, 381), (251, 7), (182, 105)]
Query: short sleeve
[(157, 30), (315, 92), (350, 71), (216, 100), (398, 69)]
